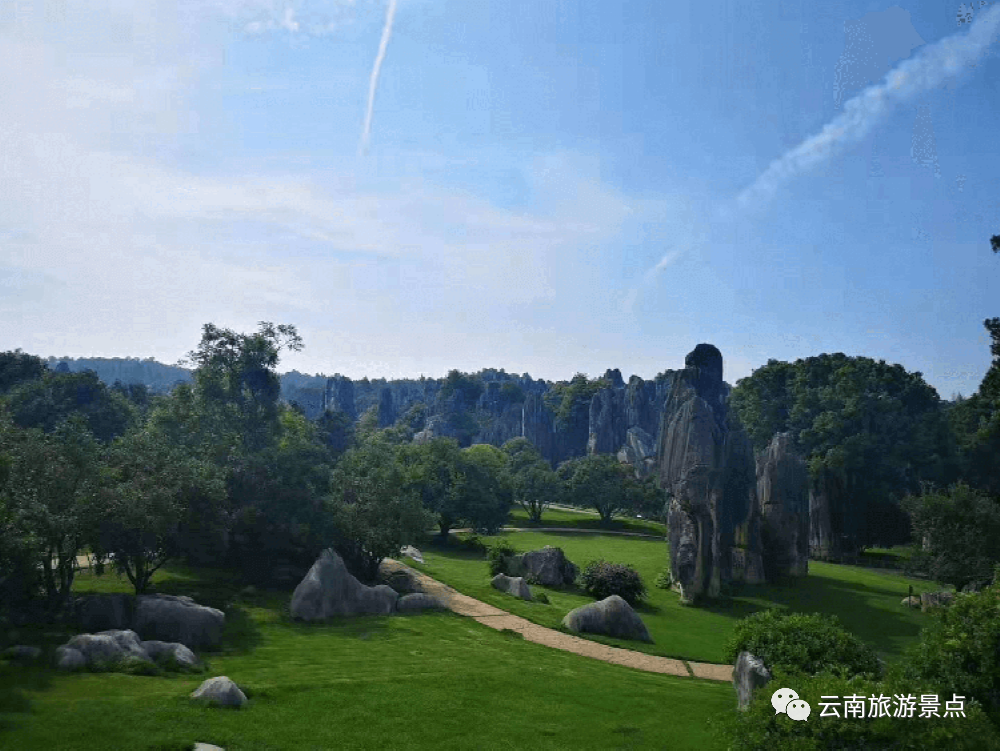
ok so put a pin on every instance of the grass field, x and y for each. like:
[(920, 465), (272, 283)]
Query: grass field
[(435, 681), (866, 601), (558, 517)]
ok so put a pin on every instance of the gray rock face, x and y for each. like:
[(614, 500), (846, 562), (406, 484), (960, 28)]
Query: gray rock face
[(22, 654), (537, 425), (109, 646), (386, 409), (783, 494), (930, 600), (340, 396), (749, 675), (68, 658), (164, 652), (611, 616), (105, 612), (825, 496), (549, 566), (512, 585), (220, 690), (706, 463), (419, 601), (639, 451), (330, 590), (607, 421), (179, 619)]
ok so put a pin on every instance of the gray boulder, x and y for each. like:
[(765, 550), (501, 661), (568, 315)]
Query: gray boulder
[(749, 675), (109, 647), (549, 567), (783, 494), (330, 590), (402, 581), (912, 602), (166, 652), (512, 585), (419, 601), (105, 612), (207, 747), (68, 658), (930, 600), (179, 619), (611, 616), (220, 690), (22, 654)]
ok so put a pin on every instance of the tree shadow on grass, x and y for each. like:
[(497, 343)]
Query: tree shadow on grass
[(15, 683), (817, 593)]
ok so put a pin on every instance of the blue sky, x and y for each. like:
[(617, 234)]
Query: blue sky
[(548, 187)]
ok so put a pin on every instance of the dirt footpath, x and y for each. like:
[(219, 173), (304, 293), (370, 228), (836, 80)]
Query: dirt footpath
[(500, 619)]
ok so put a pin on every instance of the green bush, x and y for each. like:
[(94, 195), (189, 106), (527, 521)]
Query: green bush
[(542, 598), (602, 579), (802, 643), (959, 650), (499, 556), (664, 579), (760, 727)]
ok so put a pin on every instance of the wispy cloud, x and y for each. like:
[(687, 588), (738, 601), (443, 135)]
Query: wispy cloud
[(932, 66), (383, 45)]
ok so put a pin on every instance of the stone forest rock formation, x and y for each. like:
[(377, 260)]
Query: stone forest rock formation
[(783, 493), (706, 464)]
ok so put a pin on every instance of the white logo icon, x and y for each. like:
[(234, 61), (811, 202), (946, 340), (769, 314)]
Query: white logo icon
[(788, 701)]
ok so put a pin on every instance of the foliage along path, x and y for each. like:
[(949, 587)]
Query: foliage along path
[(499, 619)]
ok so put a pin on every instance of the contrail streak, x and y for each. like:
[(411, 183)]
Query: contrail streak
[(373, 83), (927, 70)]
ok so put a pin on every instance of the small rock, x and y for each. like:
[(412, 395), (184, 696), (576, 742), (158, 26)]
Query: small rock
[(68, 658), (419, 601), (220, 690), (161, 651), (207, 747), (913, 602), (22, 653), (411, 552), (512, 585), (749, 675)]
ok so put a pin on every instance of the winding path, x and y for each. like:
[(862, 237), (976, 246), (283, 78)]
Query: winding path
[(499, 619)]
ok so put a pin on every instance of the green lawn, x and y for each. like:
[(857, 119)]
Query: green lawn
[(566, 518), (867, 601), (436, 681)]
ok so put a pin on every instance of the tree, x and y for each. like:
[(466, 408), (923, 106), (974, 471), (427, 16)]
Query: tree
[(47, 402), (146, 491), (961, 531), (430, 471), (237, 375), (483, 491), (872, 430), (533, 483), (17, 367), (49, 481), (601, 481), (375, 512), (336, 430)]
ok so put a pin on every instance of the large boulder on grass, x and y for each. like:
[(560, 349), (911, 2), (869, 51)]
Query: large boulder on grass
[(22, 654), (512, 585), (749, 674), (105, 612), (179, 619), (611, 616), (549, 567), (109, 647), (221, 691), (68, 658), (330, 590)]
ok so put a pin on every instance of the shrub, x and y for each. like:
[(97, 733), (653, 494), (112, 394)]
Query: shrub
[(542, 598), (602, 579), (760, 727), (474, 543), (499, 556), (664, 579), (802, 643)]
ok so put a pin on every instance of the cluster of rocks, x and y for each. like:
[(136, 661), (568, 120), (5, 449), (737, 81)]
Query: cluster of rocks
[(329, 590), (170, 618), (612, 616), (122, 648)]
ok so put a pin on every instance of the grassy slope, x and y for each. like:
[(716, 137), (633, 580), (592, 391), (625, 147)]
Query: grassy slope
[(575, 519), (423, 681), (866, 601)]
